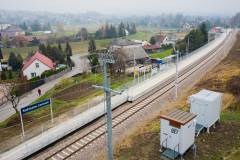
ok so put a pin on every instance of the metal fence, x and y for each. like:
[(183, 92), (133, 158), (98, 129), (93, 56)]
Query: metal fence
[(35, 127)]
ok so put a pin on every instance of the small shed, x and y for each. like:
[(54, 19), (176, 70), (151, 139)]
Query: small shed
[(206, 105), (177, 133)]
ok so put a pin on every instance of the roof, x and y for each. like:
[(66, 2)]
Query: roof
[(206, 95), (179, 116), (42, 58), (160, 38), (24, 38), (124, 42), (11, 31), (130, 53), (151, 47)]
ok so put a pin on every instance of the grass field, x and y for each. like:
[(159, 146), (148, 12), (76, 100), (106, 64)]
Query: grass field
[(69, 96), (77, 47), (162, 54)]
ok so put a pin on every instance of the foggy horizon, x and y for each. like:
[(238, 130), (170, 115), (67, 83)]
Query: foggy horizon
[(127, 8)]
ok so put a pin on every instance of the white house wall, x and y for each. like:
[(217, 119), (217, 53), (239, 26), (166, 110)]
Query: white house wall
[(32, 68)]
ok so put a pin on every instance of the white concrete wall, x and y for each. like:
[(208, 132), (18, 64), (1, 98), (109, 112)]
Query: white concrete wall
[(32, 68), (208, 112), (187, 137)]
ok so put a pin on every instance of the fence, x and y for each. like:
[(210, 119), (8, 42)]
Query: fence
[(12, 136)]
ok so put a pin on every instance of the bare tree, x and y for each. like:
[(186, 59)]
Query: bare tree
[(10, 92), (119, 66)]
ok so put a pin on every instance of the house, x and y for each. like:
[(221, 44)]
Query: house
[(21, 40), (161, 39), (11, 32), (151, 48), (36, 65), (131, 50)]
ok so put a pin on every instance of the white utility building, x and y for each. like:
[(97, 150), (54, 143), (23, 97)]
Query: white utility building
[(207, 106), (177, 133)]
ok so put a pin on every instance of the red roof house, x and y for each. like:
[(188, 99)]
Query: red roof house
[(151, 48), (36, 65)]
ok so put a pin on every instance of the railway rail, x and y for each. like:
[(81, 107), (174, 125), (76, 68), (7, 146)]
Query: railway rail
[(87, 139)]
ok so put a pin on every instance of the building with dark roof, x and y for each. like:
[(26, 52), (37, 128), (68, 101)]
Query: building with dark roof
[(131, 50)]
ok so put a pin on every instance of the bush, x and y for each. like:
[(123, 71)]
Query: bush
[(34, 79), (3, 75), (233, 85), (10, 76), (52, 72)]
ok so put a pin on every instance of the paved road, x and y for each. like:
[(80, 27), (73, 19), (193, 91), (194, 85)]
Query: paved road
[(81, 64)]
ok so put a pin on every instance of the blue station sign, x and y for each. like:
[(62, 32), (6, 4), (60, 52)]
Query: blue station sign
[(35, 106)]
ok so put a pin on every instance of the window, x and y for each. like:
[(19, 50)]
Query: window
[(33, 74), (37, 65)]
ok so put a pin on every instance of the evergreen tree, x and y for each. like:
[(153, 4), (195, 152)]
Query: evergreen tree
[(153, 40), (113, 31), (91, 46), (121, 30), (23, 26), (133, 29), (68, 49), (42, 49), (98, 34), (59, 46), (10, 76), (203, 29), (19, 60), (48, 52), (3, 75), (15, 61), (83, 33), (1, 55)]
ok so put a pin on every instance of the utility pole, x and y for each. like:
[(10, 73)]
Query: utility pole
[(176, 81), (107, 58), (134, 64), (187, 48)]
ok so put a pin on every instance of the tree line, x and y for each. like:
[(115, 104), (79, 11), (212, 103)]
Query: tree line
[(57, 53), (197, 38), (35, 26), (112, 31)]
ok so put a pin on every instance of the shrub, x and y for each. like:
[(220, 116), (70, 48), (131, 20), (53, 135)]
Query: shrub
[(52, 72), (233, 85), (3, 75)]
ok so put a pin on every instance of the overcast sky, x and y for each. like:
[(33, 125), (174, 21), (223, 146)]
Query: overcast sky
[(133, 7)]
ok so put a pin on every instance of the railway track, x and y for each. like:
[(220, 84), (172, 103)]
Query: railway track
[(87, 139)]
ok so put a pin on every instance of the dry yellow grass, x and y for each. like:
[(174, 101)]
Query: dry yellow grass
[(131, 147)]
